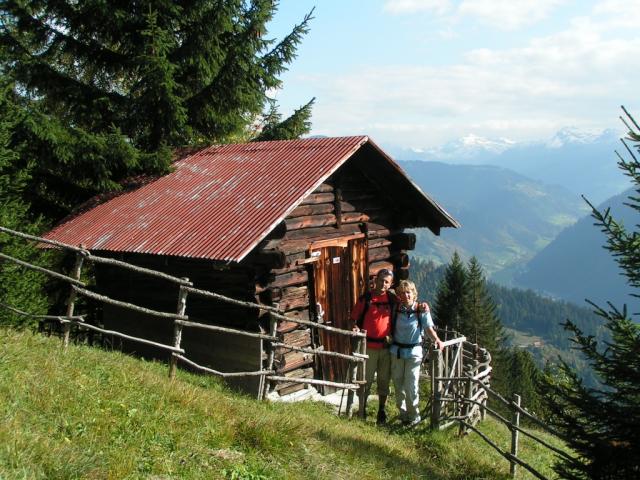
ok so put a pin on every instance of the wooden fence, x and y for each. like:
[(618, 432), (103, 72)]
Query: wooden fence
[(460, 373), (460, 385), (452, 371), (357, 360)]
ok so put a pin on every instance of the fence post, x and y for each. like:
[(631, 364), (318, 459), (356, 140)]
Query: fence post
[(177, 329), (273, 330), (353, 372), (71, 302), (515, 433), (483, 407), (362, 367), (467, 406), (437, 370)]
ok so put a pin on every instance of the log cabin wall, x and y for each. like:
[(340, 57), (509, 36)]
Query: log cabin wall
[(348, 203), (220, 351)]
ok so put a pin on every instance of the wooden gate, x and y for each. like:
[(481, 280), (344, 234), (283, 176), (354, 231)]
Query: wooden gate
[(339, 278)]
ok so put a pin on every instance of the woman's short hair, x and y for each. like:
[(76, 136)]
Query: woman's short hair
[(407, 285)]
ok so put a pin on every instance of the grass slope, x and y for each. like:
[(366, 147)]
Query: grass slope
[(87, 413)]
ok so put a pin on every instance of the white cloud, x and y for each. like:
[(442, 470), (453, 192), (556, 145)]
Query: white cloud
[(509, 14), (412, 6), (575, 77), (619, 8), (503, 14), (616, 14)]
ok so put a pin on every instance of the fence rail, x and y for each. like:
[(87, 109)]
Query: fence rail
[(460, 372), (460, 376), (181, 320)]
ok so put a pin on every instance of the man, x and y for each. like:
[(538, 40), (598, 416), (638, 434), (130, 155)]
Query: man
[(372, 313)]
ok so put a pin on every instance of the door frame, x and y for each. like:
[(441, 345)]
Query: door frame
[(355, 278)]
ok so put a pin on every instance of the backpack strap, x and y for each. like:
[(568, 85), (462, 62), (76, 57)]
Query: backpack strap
[(419, 313), (367, 303)]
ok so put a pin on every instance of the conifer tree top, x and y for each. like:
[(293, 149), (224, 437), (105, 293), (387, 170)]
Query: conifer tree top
[(162, 73)]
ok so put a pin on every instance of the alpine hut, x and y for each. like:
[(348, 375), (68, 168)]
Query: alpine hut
[(303, 224)]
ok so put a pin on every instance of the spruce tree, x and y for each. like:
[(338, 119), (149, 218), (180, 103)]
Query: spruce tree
[(19, 288), (275, 128), (602, 423), (480, 322), (517, 373), (448, 308), (113, 87)]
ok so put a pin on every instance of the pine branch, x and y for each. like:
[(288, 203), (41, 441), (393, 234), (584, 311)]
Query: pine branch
[(275, 61)]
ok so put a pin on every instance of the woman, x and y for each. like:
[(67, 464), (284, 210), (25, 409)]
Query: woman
[(409, 325)]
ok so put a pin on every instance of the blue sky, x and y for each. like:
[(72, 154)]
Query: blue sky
[(419, 73)]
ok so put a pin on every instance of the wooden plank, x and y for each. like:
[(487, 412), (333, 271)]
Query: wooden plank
[(218, 328), (294, 297), (315, 198), (294, 262), (379, 253), (285, 362), (285, 388), (375, 230), (379, 242), (336, 242), (288, 279), (324, 188), (298, 338), (310, 221), (300, 314), (320, 233), (300, 240), (314, 209), (355, 217)]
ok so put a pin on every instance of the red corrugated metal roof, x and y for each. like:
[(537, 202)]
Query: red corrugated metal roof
[(217, 204)]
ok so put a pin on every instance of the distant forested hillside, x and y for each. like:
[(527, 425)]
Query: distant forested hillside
[(575, 266), (506, 217), (535, 319)]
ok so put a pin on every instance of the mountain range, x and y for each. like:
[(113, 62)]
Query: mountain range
[(581, 161), (506, 217), (575, 266), (527, 224)]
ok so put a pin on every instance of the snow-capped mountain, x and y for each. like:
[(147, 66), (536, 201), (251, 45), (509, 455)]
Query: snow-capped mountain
[(581, 160), (573, 135), (467, 148)]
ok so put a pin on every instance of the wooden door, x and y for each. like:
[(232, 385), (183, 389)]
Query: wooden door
[(339, 279)]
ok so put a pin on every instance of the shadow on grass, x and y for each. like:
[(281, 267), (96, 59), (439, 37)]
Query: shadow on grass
[(435, 458)]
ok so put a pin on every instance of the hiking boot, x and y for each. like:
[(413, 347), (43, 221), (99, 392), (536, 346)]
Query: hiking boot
[(412, 422), (382, 417)]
